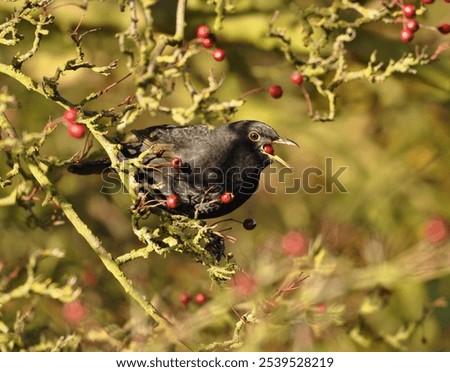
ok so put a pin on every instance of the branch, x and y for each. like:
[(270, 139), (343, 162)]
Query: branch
[(106, 258)]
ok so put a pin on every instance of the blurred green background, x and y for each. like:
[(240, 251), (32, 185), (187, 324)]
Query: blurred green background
[(379, 274)]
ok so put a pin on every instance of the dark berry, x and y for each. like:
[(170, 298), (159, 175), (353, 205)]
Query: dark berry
[(444, 28), (70, 116), (276, 91), (219, 55), (249, 224), (409, 10), (406, 36), (427, 2), (172, 201), (411, 25), (185, 298), (208, 42), (203, 32), (226, 197), (268, 149), (297, 78), (76, 130), (200, 298), (176, 163)]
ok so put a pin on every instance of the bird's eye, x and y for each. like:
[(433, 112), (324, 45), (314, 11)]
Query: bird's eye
[(254, 136)]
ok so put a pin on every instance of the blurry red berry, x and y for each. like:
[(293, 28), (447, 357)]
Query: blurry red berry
[(172, 201), (219, 55), (89, 278), (203, 32), (70, 116), (243, 284), (409, 10), (226, 197), (207, 43), (447, 1), (276, 91), (411, 25), (321, 308), (437, 230), (294, 244), (200, 298), (427, 2), (444, 28), (76, 130), (185, 298), (176, 162), (75, 311), (268, 149), (297, 78), (406, 36)]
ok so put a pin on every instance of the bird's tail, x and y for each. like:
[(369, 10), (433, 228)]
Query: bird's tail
[(90, 167)]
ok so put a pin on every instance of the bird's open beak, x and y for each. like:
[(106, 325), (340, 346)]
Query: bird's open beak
[(285, 141), (282, 141)]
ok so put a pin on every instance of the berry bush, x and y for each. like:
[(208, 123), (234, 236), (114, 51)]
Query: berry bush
[(318, 259)]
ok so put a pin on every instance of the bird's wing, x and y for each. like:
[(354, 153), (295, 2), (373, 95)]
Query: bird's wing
[(171, 134)]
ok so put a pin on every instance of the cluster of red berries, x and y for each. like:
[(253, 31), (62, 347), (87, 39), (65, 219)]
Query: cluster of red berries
[(276, 91), (207, 39), (411, 25), (75, 130), (200, 298)]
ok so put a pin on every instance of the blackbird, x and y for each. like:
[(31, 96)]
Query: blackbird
[(193, 170)]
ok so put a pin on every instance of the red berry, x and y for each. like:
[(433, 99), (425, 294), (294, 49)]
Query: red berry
[(185, 298), (226, 197), (208, 42), (70, 116), (243, 284), (75, 311), (294, 244), (89, 278), (411, 25), (409, 10), (297, 78), (276, 91), (437, 230), (176, 163), (426, 2), (203, 32), (172, 201), (447, 1), (200, 298), (321, 308), (76, 130), (444, 28), (406, 36), (219, 55), (268, 149)]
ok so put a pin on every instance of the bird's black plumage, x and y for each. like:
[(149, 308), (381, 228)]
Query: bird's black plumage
[(195, 171)]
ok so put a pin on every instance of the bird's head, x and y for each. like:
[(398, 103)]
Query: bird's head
[(260, 137)]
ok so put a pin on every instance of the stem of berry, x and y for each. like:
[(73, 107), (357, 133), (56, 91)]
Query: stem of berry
[(250, 92)]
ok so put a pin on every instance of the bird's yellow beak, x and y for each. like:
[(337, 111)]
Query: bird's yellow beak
[(285, 141), (271, 153)]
